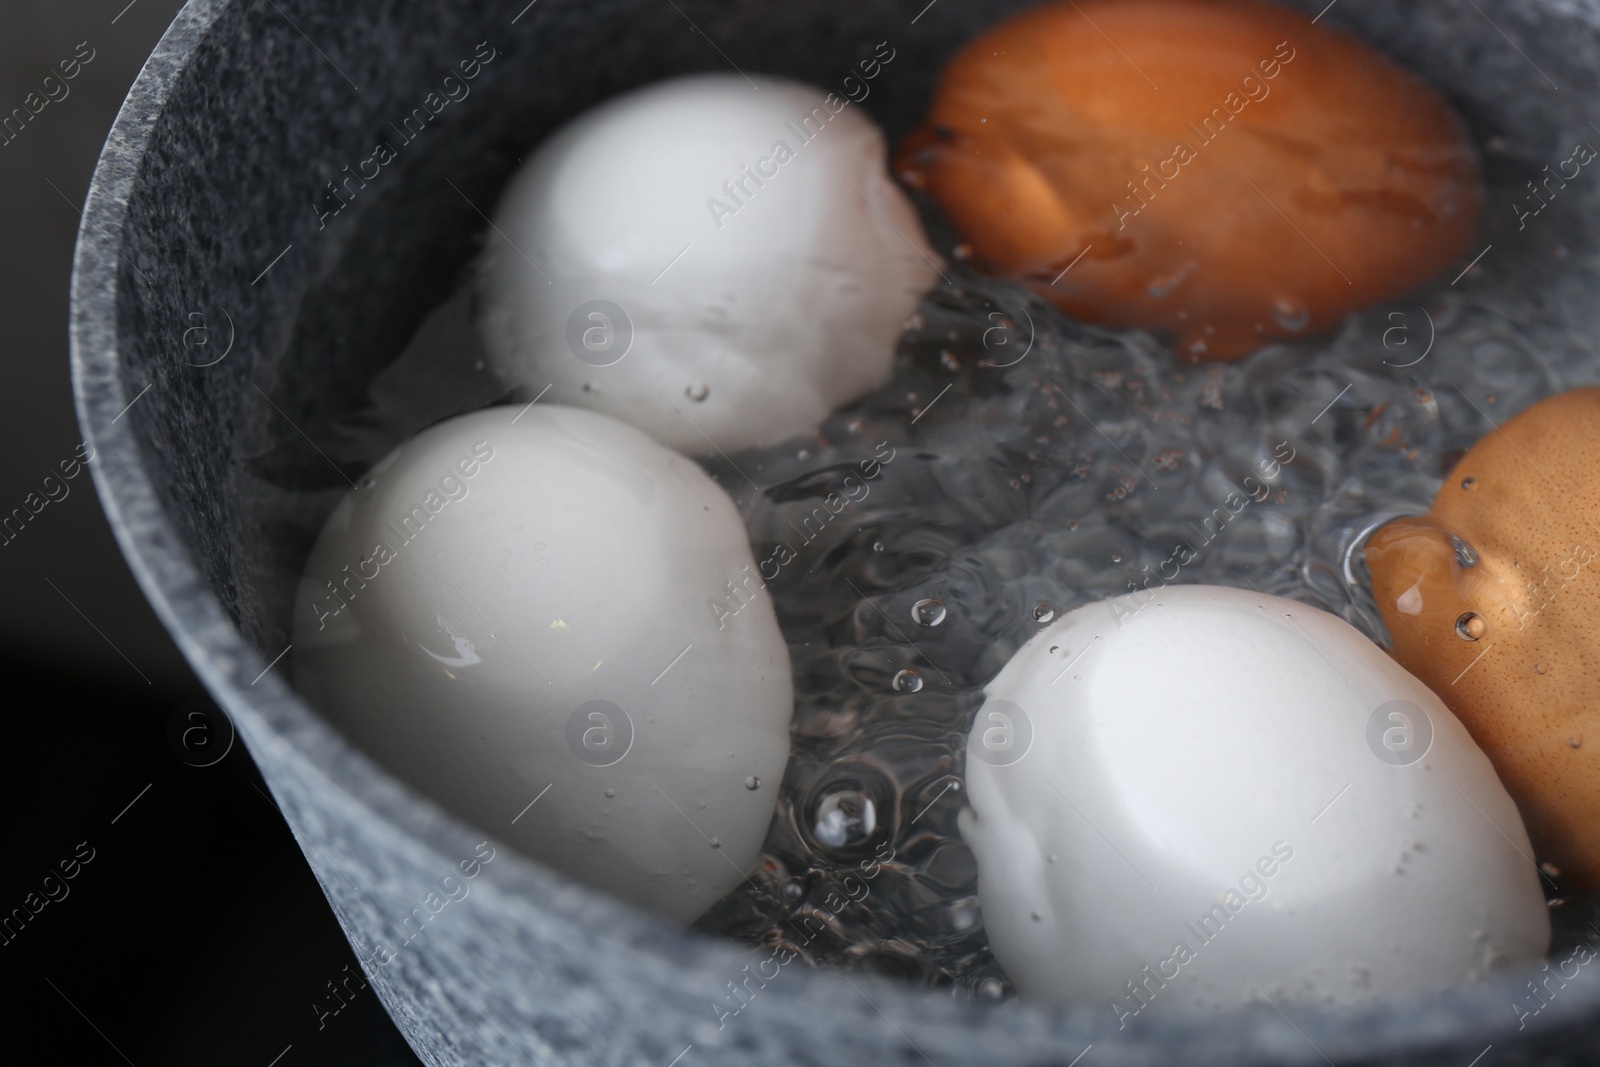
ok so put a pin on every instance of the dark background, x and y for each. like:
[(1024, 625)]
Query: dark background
[(196, 934)]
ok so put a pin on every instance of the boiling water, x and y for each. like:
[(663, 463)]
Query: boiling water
[(1022, 465)]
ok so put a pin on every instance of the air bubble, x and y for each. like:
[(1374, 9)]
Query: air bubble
[(845, 818), (1470, 626), (611, 792), (752, 782), (991, 989), (928, 612), (697, 392), (907, 681), (1043, 612)]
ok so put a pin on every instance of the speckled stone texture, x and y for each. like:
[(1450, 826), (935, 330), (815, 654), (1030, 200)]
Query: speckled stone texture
[(209, 177)]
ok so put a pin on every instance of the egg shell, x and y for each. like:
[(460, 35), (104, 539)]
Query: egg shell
[(1513, 538), (1225, 169), (1197, 765), (755, 262), (533, 561)]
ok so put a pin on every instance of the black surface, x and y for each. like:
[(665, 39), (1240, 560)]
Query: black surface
[(196, 934)]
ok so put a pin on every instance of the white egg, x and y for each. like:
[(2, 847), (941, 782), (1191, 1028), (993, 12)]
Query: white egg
[(1195, 798), (720, 262), (513, 613)]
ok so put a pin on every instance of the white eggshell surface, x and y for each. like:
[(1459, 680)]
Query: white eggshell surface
[(642, 265), (1197, 798), (464, 609)]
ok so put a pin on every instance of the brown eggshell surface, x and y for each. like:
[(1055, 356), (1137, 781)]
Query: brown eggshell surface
[(1493, 600), (1226, 170)]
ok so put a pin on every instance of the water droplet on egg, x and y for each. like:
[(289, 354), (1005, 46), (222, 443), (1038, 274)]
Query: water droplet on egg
[(1291, 314), (697, 392), (1538, 668), (611, 792), (928, 612), (1470, 626), (1574, 742), (907, 681), (752, 782), (844, 818), (1469, 484), (1466, 555), (1043, 612)]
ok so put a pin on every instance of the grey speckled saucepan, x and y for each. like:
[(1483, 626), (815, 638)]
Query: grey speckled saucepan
[(203, 205)]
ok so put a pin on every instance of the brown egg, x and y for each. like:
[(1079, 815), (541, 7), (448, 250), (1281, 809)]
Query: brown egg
[(1225, 169), (1492, 599)]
